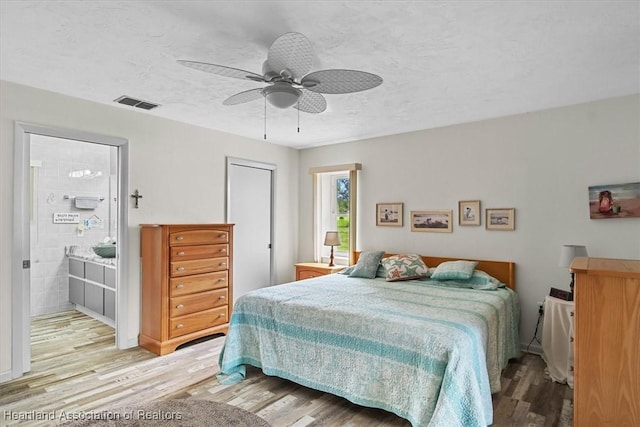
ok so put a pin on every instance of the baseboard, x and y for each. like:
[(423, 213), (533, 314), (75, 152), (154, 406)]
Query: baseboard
[(6, 376), (131, 343), (97, 316)]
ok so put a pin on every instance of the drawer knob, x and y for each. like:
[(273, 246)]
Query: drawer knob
[(179, 306), (221, 297), (180, 286), (223, 250), (179, 238), (180, 269), (221, 280), (179, 326), (222, 264), (222, 236), (180, 253), (221, 315)]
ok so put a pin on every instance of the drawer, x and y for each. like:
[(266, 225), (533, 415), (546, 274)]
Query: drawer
[(76, 290), (76, 267), (199, 283), (308, 273), (198, 302), (198, 237), (183, 253), (94, 272), (110, 304), (198, 266), (94, 298), (110, 277), (197, 321)]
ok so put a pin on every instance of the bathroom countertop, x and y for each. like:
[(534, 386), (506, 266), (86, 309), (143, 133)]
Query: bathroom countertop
[(86, 253)]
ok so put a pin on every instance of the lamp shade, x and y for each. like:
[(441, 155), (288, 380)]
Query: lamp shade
[(569, 252), (332, 238)]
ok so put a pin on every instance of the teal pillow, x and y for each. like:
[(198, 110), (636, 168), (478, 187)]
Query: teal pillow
[(404, 267), (347, 271), (367, 265), (483, 281), (479, 277), (454, 270)]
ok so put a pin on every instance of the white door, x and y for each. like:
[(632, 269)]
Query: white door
[(250, 204)]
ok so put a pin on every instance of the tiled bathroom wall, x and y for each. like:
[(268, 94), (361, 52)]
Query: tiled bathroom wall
[(60, 168)]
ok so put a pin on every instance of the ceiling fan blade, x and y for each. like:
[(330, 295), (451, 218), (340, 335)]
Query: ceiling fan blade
[(311, 102), (340, 81), (246, 96), (221, 70), (293, 52)]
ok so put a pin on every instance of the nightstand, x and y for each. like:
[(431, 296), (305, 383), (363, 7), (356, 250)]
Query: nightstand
[(557, 339), (307, 270)]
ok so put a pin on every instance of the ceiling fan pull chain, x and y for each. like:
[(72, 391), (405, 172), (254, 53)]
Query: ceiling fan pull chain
[(298, 115), (265, 118)]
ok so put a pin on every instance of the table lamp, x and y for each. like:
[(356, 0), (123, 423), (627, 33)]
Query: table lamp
[(567, 254), (332, 238)]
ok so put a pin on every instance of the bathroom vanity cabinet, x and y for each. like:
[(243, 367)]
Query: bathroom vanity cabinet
[(92, 288)]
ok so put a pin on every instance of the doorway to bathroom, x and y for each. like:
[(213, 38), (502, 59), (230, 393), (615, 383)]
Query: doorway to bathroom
[(70, 218)]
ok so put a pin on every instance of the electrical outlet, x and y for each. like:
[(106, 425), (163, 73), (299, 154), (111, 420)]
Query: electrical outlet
[(540, 307)]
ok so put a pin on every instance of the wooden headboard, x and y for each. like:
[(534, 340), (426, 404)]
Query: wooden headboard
[(505, 271)]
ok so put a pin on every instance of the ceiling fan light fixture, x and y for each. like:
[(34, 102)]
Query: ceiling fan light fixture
[(282, 95)]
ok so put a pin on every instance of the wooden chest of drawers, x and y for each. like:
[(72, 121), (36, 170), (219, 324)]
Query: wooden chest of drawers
[(187, 283), (307, 270), (607, 342)]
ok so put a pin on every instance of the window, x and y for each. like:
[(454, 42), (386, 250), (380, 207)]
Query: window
[(334, 210)]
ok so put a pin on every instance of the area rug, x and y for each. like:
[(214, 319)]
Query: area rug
[(171, 413)]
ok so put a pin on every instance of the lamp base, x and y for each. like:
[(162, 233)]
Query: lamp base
[(331, 264), (571, 287)]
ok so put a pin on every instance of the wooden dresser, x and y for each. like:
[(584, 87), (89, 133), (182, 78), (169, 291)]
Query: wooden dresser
[(187, 283), (307, 270), (607, 342)]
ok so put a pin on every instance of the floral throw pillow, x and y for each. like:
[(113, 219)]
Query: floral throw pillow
[(404, 267), (367, 264)]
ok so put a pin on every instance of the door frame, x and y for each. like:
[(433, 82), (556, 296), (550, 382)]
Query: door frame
[(21, 286), (235, 161)]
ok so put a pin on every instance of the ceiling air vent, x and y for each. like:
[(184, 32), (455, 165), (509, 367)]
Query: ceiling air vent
[(127, 100)]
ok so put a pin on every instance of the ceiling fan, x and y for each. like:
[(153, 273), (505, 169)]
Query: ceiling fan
[(286, 71)]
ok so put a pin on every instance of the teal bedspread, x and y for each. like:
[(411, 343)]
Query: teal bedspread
[(429, 353)]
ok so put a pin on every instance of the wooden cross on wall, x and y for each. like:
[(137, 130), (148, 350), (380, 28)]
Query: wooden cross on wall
[(136, 195)]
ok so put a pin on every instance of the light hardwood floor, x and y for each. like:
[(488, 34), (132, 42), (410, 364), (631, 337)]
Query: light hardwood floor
[(76, 367)]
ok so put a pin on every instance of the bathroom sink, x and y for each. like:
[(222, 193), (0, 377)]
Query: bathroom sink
[(105, 250)]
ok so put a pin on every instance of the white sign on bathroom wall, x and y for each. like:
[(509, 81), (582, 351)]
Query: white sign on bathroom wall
[(66, 218)]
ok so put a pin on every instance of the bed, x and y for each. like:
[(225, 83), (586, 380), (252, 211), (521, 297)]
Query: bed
[(430, 351)]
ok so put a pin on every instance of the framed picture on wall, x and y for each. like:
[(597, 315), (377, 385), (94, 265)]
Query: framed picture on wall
[(389, 214), (432, 221), (614, 201), (469, 212), (501, 219)]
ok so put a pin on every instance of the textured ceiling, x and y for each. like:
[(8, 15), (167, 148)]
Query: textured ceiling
[(443, 63)]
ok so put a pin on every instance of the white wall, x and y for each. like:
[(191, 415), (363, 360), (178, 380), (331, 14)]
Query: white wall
[(539, 163), (179, 168)]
